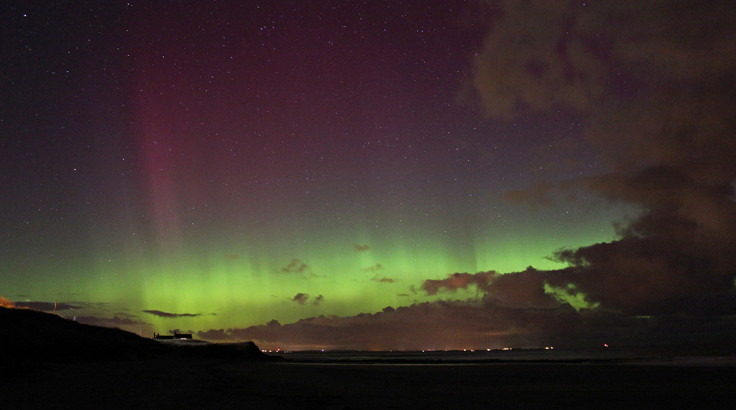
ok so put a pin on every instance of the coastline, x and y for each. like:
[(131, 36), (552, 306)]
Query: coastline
[(202, 382)]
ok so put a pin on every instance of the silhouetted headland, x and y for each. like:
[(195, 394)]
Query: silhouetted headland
[(29, 335), (51, 362)]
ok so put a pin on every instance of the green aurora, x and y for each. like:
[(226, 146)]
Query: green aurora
[(242, 282)]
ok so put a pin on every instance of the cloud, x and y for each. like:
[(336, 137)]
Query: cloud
[(295, 266), (458, 281), (303, 298), (520, 290), (540, 55), (428, 325), (650, 275), (437, 325), (361, 248), (384, 279), (171, 315), (482, 324), (606, 276), (656, 101), (300, 298), (214, 335)]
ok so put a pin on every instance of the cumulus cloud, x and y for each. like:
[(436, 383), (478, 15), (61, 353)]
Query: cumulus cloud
[(300, 298), (528, 289)]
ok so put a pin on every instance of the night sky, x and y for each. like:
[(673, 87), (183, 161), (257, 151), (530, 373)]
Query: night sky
[(373, 175)]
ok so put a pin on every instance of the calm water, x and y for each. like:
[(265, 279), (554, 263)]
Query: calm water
[(628, 356)]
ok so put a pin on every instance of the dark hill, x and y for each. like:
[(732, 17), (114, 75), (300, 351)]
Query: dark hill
[(28, 335), (32, 335)]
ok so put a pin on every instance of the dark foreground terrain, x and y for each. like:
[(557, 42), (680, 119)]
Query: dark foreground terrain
[(200, 383), (151, 376)]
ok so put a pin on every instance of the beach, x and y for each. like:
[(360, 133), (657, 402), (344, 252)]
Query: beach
[(207, 383), (49, 362)]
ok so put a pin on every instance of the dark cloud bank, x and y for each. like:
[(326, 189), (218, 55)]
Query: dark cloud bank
[(652, 83)]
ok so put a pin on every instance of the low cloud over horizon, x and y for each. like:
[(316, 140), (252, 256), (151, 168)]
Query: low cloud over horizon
[(488, 322)]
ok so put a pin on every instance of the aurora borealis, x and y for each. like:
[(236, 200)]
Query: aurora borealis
[(383, 175)]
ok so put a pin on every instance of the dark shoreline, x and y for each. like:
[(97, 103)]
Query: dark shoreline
[(620, 356), (49, 362), (198, 382)]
